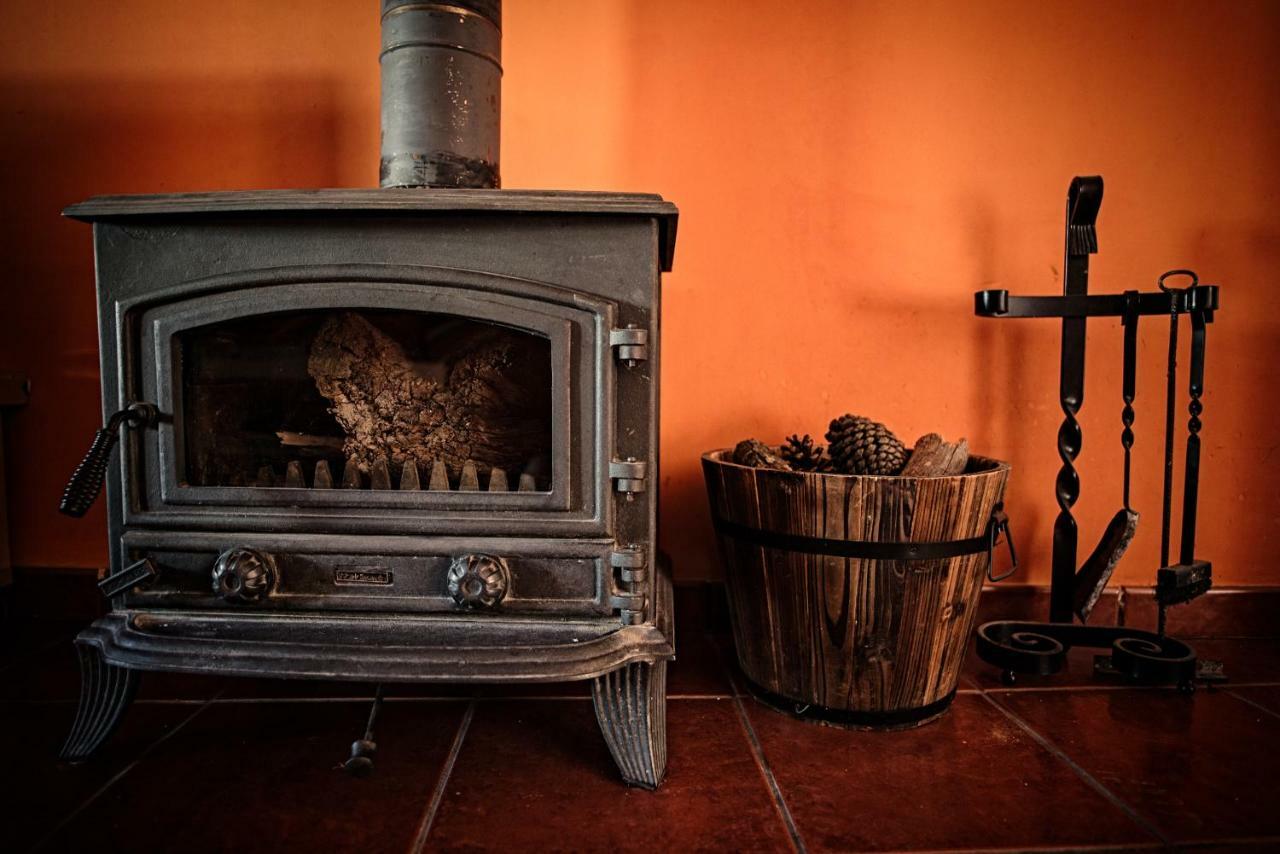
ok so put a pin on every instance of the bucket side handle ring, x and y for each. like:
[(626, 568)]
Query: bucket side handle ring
[(999, 524)]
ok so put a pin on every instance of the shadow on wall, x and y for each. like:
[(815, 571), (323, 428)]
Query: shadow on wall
[(1239, 502), (849, 174), (943, 332), (64, 140)]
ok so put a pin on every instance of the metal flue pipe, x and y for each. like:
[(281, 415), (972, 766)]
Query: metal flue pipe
[(441, 93)]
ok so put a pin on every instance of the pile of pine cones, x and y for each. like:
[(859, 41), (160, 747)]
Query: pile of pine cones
[(855, 445)]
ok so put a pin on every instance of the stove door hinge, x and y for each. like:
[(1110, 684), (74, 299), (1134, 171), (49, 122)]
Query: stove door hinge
[(629, 476), (631, 344), (631, 576)]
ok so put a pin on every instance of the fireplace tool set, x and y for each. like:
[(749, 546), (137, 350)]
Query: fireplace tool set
[(1136, 655)]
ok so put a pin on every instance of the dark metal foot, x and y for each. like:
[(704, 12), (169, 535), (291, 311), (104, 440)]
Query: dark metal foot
[(1136, 656), (105, 692), (631, 706)]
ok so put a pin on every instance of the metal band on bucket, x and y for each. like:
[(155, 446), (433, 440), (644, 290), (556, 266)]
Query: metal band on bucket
[(869, 550), (864, 549), (892, 719)]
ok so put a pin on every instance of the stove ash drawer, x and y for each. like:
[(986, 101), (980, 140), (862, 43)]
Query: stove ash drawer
[(471, 582)]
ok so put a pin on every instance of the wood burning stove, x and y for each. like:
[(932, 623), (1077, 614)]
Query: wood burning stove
[(404, 434)]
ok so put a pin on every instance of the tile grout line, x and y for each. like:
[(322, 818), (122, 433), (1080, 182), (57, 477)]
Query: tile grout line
[(437, 795), (735, 692), (1253, 703), (495, 698), (1079, 770), (779, 802), (1271, 841), (1035, 849), (1087, 688), (757, 753), (119, 775), (231, 701), (1049, 689)]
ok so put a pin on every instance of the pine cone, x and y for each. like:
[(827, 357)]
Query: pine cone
[(861, 446), (804, 455), (752, 452)]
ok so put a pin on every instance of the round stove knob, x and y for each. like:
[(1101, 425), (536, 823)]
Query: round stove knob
[(478, 581), (243, 575)]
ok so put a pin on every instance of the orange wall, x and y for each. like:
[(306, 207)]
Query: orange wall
[(848, 174)]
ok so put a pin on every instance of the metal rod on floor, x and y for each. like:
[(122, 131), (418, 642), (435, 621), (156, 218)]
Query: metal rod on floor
[(363, 749)]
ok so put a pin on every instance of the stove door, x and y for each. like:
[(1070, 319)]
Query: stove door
[(444, 402)]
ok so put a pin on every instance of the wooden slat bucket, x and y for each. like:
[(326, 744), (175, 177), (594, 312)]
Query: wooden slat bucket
[(852, 597)]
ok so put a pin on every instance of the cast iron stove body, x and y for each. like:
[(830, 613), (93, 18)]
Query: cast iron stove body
[(405, 434)]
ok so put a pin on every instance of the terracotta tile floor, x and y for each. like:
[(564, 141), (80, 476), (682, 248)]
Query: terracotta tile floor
[(248, 765)]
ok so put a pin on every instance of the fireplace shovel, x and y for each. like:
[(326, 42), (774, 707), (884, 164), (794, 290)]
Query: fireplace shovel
[(1096, 571)]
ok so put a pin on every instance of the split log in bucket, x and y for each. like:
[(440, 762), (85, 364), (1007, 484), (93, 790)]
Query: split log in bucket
[(852, 597)]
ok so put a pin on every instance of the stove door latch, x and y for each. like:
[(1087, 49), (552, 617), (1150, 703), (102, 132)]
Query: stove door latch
[(631, 344), (631, 576)]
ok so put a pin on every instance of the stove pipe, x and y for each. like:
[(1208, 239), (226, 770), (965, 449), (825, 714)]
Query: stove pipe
[(441, 93)]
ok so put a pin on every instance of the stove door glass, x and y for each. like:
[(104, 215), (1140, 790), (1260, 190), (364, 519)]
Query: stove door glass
[(364, 399)]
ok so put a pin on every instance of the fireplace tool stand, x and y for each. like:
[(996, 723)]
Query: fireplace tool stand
[(1135, 655)]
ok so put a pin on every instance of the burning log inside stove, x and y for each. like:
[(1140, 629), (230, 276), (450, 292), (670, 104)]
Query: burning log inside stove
[(475, 398)]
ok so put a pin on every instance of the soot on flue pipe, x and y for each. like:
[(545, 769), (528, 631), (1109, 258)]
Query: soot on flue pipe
[(441, 93)]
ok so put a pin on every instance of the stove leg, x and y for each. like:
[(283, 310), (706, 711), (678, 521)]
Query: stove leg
[(631, 706), (105, 692)]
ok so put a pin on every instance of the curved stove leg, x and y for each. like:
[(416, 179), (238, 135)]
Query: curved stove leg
[(105, 693), (631, 706)]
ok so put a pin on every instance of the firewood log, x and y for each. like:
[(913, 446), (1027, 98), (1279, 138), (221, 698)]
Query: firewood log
[(481, 393), (934, 457)]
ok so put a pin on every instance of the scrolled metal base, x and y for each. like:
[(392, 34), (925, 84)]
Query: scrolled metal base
[(1041, 648), (106, 691), (631, 706)]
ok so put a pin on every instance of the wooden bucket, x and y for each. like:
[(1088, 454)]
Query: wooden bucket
[(852, 597)]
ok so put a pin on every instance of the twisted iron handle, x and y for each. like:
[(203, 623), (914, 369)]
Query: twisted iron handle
[(86, 481)]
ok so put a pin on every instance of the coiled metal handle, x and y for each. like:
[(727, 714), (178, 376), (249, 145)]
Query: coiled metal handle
[(86, 481)]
